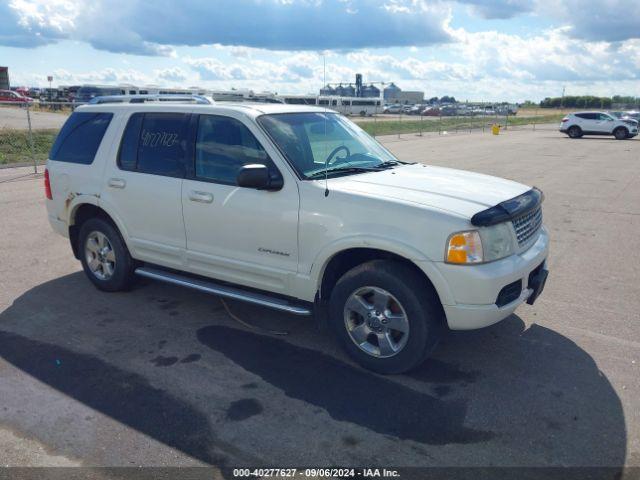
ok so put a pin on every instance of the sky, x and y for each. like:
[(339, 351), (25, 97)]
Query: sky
[(492, 50)]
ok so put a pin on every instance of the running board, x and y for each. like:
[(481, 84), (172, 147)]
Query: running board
[(222, 290)]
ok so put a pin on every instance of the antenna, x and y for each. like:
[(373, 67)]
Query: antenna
[(326, 157)]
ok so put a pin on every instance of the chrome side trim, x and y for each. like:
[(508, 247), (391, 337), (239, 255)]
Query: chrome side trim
[(222, 290)]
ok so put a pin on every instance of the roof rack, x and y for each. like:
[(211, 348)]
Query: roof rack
[(199, 99)]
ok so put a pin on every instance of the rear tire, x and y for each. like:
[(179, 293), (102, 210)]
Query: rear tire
[(387, 318), (621, 133), (104, 256), (574, 132)]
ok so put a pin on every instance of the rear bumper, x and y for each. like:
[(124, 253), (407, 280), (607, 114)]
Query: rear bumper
[(58, 226), (476, 288)]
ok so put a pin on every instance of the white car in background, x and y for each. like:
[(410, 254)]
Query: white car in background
[(577, 124)]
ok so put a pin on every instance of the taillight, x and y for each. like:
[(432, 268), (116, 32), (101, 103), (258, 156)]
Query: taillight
[(565, 119), (47, 185)]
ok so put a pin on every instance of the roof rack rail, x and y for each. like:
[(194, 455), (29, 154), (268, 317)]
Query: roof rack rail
[(199, 99)]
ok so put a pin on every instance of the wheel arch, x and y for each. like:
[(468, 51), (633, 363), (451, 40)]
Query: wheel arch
[(83, 211), (621, 127), (344, 260)]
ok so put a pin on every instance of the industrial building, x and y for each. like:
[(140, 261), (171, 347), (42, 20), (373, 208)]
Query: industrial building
[(391, 92), (394, 94)]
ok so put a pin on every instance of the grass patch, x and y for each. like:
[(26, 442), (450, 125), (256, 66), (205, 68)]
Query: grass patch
[(15, 148), (434, 124)]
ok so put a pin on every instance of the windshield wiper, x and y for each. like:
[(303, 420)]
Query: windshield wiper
[(321, 173), (392, 163)]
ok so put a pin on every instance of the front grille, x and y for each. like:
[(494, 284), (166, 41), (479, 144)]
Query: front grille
[(527, 225)]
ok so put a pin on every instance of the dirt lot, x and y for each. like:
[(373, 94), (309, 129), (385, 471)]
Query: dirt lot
[(16, 118), (162, 376)]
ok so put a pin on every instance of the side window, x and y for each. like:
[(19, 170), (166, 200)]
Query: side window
[(605, 117), (80, 137), (223, 146), (155, 143)]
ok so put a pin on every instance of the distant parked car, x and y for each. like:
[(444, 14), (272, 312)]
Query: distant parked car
[(415, 110), (631, 116), (575, 125), (86, 93), (431, 112), (625, 117), (13, 97), (395, 108)]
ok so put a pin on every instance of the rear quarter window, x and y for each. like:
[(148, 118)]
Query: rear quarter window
[(80, 137)]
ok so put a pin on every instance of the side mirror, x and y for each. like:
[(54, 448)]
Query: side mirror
[(256, 175)]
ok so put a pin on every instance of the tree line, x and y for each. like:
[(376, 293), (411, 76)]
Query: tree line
[(589, 101)]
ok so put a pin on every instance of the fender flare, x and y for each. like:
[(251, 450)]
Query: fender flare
[(75, 201), (418, 258)]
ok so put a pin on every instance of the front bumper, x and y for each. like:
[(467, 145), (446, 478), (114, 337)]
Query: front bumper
[(475, 288)]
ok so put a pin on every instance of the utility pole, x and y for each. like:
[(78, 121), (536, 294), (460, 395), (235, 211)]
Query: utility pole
[(562, 98)]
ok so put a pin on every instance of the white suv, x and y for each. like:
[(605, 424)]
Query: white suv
[(575, 125), (297, 209)]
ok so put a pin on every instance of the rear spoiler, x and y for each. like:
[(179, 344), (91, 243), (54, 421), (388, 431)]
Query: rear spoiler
[(509, 209)]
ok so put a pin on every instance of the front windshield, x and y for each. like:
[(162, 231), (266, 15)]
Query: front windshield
[(311, 140)]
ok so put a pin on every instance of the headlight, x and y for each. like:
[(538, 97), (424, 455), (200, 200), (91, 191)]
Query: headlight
[(483, 245), (497, 241)]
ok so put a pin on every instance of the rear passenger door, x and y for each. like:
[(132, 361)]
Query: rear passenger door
[(240, 235), (143, 185)]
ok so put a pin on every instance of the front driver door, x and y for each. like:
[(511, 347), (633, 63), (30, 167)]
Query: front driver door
[(240, 235), (605, 123)]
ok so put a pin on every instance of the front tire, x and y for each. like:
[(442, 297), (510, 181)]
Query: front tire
[(104, 256), (387, 318), (621, 133)]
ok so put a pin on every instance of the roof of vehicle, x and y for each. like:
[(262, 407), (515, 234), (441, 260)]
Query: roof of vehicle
[(251, 109), (589, 111)]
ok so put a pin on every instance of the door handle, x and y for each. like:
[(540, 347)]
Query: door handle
[(202, 197), (117, 183)]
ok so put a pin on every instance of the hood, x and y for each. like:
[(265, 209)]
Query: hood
[(457, 191)]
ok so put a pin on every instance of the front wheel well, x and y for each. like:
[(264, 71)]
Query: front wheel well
[(345, 260), (81, 214)]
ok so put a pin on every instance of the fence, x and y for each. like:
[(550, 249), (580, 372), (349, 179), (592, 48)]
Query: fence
[(402, 123), (28, 130)]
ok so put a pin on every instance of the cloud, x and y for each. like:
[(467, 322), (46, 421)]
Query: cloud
[(153, 27), (103, 76), (610, 20), (171, 75), (491, 9), (604, 20), (295, 68), (29, 25), (549, 56)]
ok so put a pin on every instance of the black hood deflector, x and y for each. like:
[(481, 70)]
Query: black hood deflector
[(509, 209)]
